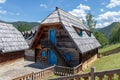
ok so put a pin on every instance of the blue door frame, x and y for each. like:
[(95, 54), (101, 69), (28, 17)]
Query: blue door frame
[(52, 36), (52, 59)]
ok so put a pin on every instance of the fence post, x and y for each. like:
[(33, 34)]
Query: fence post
[(32, 75), (92, 73)]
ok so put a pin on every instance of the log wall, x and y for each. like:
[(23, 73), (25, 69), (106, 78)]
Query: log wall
[(11, 56)]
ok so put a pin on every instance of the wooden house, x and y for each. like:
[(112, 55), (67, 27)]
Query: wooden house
[(12, 43), (62, 39)]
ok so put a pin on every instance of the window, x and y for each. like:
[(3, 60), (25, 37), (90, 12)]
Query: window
[(79, 31), (43, 54), (68, 57), (89, 33)]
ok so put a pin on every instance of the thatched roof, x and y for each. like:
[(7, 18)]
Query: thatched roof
[(11, 39), (68, 21)]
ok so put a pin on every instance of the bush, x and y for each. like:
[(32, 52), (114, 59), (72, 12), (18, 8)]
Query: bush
[(101, 38)]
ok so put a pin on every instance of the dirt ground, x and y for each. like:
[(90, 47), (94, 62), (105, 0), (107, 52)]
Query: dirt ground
[(19, 68)]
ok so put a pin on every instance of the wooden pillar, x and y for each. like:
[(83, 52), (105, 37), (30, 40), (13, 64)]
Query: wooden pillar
[(35, 55), (92, 73), (97, 50), (80, 58)]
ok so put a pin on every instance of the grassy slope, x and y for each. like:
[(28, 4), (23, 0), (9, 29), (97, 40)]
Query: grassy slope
[(109, 48), (108, 62)]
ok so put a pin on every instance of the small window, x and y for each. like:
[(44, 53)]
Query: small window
[(68, 57), (80, 33), (89, 34), (43, 54)]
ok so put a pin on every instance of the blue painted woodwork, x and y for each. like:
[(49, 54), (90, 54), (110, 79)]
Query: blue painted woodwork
[(68, 57), (43, 53), (52, 59), (80, 33), (52, 36), (89, 34)]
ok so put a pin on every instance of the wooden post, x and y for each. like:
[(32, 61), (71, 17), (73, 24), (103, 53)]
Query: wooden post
[(110, 76), (80, 58), (92, 73), (32, 75), (35, 55)]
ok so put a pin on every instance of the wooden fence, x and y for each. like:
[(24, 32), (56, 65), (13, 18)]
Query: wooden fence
[(63, 71), (104, 75), (38, 75)]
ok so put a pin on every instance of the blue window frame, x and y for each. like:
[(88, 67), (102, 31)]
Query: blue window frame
[(80, 33), (43, 54), (68, 57), (89, 34)]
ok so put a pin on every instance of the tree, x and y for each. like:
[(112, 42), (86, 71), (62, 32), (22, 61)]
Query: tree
[(23, 27), (115, 34), (90, 22), (101, 38)]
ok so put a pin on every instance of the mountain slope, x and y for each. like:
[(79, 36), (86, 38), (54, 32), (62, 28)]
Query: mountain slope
[(106, 30), (22, 25)]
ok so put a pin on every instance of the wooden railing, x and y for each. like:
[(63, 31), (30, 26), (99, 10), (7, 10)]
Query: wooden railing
[(25, 77), (44, 73), (39, 75), (104, 75), (78, 69), (63, 71)]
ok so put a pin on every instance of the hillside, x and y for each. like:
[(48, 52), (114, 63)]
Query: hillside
[(106, 30), (107, 62), (22, 25)]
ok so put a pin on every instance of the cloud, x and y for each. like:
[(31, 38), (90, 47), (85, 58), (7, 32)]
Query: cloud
[(12, 13), (107, 18), (86, 0), (103, 3), (113, 3), (2, 1), (3, 11), (80, 11), (108, 15), (102, 10), (39, 21), (43, 5)]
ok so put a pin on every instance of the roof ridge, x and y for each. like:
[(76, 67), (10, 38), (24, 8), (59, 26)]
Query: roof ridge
[(68, 13)]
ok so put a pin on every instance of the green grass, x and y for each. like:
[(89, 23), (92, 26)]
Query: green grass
[(108, 48), (107, 62), (51, 77)]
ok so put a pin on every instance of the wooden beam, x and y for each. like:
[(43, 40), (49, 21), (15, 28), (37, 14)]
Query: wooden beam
[(51, 24)]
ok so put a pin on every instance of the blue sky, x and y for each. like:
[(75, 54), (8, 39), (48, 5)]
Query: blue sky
[(105, 11)]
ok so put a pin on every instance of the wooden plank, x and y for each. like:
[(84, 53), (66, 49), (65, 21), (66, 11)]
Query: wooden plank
[(51, 24)]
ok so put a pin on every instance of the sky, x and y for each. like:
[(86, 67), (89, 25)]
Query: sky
[(105, 11)]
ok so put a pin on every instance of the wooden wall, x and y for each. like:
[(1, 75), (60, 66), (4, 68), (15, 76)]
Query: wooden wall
[(11, 56), (89, 54), (64, 44)]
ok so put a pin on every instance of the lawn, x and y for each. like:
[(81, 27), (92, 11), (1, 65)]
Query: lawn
[(107, 62), (108, 48)]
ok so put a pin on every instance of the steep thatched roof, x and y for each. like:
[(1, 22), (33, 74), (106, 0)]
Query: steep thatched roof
[(11, 39), (84, 43)]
